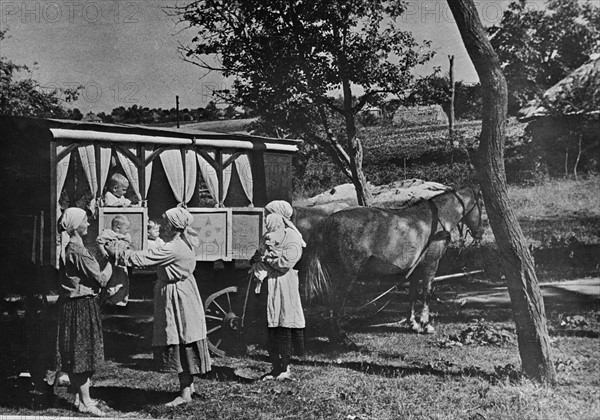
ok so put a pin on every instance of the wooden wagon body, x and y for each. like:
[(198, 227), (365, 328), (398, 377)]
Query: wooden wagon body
[(224, 179)]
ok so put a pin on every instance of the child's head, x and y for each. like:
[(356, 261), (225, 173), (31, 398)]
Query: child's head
[(274, 222), (153, 230), (118, 184), (120, 224)]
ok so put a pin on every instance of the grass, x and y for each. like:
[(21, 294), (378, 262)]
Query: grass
[(419, 381), (393, 374)]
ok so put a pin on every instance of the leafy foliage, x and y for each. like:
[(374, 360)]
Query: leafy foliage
[(21, 95), (143, 115), (435, 90), (287, 58), (537, 48)]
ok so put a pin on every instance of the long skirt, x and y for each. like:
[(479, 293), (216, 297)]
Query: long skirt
[(192, 358), (286, 341), (80, 345)]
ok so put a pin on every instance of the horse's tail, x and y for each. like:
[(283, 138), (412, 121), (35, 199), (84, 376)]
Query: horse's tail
[(317, 278)]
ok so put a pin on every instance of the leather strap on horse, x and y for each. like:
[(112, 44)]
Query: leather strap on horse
[(433, 236)]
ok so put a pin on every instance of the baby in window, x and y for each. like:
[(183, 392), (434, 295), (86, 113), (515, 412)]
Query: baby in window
[(154, 240), (115, 193)]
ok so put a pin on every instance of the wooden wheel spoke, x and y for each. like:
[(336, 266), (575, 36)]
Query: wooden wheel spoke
[(219, 306), (213, 317), (212, 330)]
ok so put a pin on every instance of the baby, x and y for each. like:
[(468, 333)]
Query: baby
[(154, 240), (115, 193), (119, 236), (269, 248)]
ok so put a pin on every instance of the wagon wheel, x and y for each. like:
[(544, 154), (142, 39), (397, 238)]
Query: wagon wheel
[(221, 319)]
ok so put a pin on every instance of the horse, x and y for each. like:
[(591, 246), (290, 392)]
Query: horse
[(407, 243), (308, 219)]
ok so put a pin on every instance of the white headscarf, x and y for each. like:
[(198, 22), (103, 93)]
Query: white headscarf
[(182, 219), (285, 209), (70, 220)]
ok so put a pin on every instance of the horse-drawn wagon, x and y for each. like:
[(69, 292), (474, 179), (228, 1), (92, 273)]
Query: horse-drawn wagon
[(223, 179)]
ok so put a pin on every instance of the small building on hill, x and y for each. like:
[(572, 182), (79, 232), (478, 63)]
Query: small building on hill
[(91, 117), (564, 124), (374, 111), (420, 115)]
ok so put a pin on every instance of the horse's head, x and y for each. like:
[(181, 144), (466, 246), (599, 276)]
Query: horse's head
[(473, 212)]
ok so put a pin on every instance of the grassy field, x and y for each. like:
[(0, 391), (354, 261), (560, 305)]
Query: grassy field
[(469, 369)]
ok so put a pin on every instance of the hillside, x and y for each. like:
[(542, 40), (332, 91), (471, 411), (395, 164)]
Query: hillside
[(392, 153), (217, 126)]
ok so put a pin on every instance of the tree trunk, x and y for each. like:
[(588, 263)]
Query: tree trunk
[(363, 194), (452, 94), (516, 260)]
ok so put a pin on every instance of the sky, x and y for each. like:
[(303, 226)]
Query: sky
[(124, 52)]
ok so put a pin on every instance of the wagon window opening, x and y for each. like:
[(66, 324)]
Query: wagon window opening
[(160, 197), (77, 193), (205, 198), (236, 196), (117, 168)]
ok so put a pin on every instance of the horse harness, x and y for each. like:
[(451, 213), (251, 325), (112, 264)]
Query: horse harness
[(466, 213), (433, 237)]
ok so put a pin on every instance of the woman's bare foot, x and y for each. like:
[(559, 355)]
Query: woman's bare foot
[(178, 401)]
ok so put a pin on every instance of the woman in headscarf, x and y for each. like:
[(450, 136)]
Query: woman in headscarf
[(285, 316), (80, 345), (179, 339)]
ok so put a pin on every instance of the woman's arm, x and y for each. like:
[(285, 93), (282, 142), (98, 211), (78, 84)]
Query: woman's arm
[(91, 269), (146, 259)]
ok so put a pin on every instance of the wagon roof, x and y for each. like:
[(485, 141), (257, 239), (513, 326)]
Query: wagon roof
[(127, 133)]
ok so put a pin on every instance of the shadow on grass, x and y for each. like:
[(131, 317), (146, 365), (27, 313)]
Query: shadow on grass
[(442, 370), (129, 400)]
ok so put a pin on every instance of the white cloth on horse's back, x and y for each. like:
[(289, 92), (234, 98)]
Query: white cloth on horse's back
[(408, 192), (396, 194)]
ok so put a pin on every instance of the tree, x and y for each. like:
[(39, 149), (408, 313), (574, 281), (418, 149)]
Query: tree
[(287, 58), (516, 260), (230, 112), (435, 89), (211, 112), (20, 94), (537, 48)]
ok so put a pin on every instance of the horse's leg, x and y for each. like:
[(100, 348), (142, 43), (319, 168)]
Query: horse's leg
[(429, 268), (413, 292), (344, 277)]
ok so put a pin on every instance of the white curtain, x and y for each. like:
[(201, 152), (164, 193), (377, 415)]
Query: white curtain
[(244, 170), (182, 184), (88, 161), (62, 168), (210, 177), (105, 154), (131, 171)]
